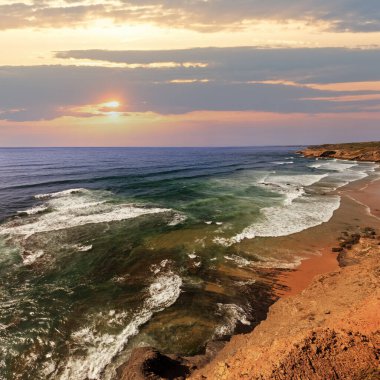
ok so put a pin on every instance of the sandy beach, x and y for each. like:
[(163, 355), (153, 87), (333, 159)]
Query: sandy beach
[(366, 196)]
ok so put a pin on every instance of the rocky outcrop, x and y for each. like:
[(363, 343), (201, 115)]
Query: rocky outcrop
[(329, 331), (147, 363), (355, 151)]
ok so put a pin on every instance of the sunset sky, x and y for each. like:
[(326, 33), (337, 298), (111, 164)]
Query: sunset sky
[(188, 72)]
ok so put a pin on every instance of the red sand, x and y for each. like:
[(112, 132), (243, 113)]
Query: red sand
[(298, 280)]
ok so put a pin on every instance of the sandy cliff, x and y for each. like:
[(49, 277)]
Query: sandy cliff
[(354, 151), (329, 331)]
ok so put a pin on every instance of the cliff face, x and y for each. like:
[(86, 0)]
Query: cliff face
[(354, 151), (329, 331)]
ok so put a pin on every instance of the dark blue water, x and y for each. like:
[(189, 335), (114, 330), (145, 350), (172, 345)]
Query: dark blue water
[(134, 172)]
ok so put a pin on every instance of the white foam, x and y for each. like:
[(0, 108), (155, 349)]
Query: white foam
[(83, 248), (240, 261), (283, 221), (60, 194), (232, 315), (283, 162), (293, 179), (334, 165), (34, 210), (177, 219), (100, 349), (270, 262), (300, 210), (291, 186), (76, 207), (29, 258), (343, 178)]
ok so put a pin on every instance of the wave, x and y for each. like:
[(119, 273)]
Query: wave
[(98, 350), (301, 209), (282, 221), (334, 165), (298, 211), (77, 207), (238, 260), (283, 162), (291, 186), (232, 314), (29, 258)]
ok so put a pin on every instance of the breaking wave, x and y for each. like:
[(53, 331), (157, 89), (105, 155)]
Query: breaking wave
[(97, 350), (76, 207)]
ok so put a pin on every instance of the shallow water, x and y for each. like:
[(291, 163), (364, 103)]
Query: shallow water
[(105, 249)]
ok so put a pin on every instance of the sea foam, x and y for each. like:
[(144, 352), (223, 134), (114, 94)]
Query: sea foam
[(75, 207), (298, 211), (291, 186), (98, 350), (232, 314), (301, 209)]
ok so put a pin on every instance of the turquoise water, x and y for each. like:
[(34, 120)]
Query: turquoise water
[(106, 249)]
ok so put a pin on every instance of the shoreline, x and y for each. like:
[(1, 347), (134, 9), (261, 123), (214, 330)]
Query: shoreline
[(294, 282), (328, 331), (327, 260), (288, 283), (245, 357)]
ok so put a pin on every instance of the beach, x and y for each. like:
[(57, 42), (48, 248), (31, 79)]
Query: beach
[(366, 195)]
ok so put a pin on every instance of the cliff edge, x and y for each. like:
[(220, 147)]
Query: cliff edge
[(354, 151), (329, 331)]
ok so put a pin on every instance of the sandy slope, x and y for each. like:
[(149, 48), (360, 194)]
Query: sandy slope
[(329, 331)]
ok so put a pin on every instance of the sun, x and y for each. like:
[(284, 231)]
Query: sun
[(112, 104)]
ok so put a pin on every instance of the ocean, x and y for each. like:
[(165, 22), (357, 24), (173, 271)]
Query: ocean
[(107, 249)]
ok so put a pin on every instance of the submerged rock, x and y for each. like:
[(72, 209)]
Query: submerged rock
[(148, 363)]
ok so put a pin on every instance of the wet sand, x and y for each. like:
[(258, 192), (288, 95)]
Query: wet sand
[(369, 195), (296, 281), (360, 207)]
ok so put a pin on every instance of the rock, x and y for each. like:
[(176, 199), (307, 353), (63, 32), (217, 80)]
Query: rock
[(369, 151), (147, 363), (327, 153)]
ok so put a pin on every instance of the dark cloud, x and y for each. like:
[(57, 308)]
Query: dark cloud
[(207, 16), (234, 75), (324, 65)]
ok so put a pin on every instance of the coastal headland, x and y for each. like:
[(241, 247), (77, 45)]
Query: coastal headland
[(367, 151), (325, 324)]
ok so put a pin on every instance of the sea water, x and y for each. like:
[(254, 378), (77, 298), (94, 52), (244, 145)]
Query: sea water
[(106, 249)]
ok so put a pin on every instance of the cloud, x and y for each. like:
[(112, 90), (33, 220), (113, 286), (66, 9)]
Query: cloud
[(229, 79), (201, 15), (249, 63)]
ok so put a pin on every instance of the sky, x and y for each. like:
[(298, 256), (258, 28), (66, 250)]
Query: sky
[(189, 72)]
